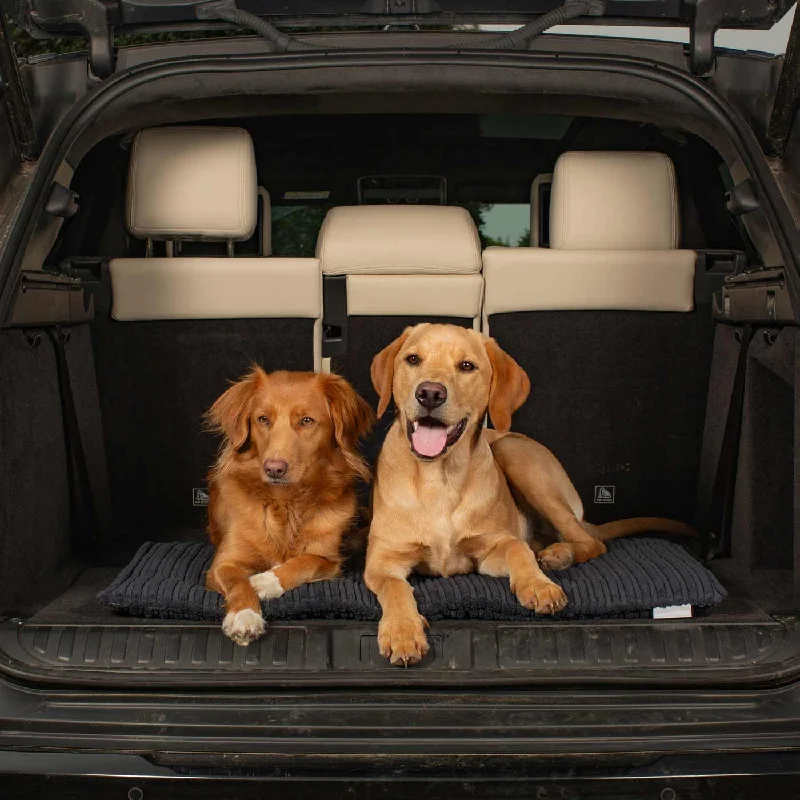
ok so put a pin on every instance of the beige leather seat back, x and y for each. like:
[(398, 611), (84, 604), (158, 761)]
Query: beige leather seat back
[(614, 234), (540, 195), (189, 184), (404, 264), (604, 323)]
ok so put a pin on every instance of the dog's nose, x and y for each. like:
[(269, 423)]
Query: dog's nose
[(431, 395), (275, 468)]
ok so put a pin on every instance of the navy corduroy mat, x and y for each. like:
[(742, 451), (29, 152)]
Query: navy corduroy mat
[(166, 581)]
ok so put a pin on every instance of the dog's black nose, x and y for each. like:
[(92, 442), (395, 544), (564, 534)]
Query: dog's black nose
[(275, 468), (431, 395)]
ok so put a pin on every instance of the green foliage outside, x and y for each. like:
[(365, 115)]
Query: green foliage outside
[(26, 46), (295, 229)]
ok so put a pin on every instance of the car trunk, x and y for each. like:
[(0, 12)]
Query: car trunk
[(101, 440), (139, 389), (56, 629)]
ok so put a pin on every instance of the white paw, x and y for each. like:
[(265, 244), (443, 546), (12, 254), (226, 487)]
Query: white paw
[(267, 585), (244, 626)]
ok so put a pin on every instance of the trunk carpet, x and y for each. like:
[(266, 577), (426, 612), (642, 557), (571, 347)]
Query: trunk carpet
[(166, 581)]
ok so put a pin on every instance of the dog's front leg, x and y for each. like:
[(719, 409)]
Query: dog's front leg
[(504, 555), (401, 631), (243, 622), (294, 572)]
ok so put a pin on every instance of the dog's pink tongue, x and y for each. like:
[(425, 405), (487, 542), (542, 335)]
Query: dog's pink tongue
[(429, 440)]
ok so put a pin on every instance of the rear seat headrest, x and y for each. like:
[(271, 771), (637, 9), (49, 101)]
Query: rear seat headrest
[(614, 201), (192, 183), (398, 239)]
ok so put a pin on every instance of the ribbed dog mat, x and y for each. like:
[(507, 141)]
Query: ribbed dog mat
[(166, 581)]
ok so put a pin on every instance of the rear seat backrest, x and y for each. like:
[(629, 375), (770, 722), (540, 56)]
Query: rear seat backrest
[(200, 184), (182, 327), (404, 260), (618, 394), (613, 239), (402, 265)]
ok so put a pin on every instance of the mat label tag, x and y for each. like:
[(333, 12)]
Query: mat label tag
[(672, 612), (199, 497), (604, 495)]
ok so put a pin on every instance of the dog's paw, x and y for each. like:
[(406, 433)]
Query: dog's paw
[(267, 585), (403, 642), (556, 556), (543, 597), (243, 626)]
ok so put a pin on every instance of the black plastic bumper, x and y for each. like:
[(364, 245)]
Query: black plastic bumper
[(383, 743), (62, 776)]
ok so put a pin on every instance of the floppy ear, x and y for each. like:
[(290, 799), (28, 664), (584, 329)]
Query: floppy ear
[(230, 414), (382, 371), (509, 388), (352, 419)]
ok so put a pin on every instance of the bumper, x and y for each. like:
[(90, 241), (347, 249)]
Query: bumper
[(353, 743), (103, 775)]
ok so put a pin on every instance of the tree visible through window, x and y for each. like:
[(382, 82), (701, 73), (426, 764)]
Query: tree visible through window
[(502, 224)]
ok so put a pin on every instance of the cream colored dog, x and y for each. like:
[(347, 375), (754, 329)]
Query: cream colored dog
[(444, 494)]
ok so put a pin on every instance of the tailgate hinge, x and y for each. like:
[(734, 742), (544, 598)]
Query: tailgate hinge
[(95, 18), (708, 16), (711, 15)]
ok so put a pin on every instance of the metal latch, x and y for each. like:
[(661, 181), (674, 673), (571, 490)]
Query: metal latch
[(406, 7), (757, 295)]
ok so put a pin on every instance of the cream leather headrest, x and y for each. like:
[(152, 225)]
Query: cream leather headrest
[(192, 183), (398, 239), (614, 201)]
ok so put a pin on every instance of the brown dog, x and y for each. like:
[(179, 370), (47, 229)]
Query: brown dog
[(281, 494), (442, 504)]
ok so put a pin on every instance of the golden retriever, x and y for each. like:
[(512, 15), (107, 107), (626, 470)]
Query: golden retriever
[(281, 493), (451, 497)]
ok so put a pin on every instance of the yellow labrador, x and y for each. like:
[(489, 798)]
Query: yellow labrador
[(451, 497)]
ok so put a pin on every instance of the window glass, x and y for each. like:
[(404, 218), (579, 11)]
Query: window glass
[(504, 224), (295, 230)]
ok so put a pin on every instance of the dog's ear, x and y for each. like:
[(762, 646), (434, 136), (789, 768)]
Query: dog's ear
[(382, 371), (509, 388), (230, 414), (352, 419)]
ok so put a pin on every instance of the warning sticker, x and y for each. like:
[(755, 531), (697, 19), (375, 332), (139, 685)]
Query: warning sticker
[(604, 495)]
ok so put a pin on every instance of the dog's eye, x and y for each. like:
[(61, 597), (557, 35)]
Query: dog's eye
[(306, 421), (262, 419), (466, 366), (412, 359)]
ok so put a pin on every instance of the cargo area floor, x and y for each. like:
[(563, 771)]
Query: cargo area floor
[(75, 639)]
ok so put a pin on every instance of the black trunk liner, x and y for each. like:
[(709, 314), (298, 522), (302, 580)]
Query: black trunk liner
[(77, 640), (341, 652)]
